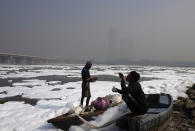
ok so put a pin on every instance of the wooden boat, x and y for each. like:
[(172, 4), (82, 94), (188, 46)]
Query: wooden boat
[(66, 120), (158, 115)]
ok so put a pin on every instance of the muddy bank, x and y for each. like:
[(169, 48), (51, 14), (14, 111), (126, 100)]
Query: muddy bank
[(183, 115)]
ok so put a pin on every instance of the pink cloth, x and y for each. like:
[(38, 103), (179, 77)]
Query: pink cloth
[(100, 103)]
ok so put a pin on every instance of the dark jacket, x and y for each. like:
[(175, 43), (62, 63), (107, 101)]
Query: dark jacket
[(136, 92), (85, 84)]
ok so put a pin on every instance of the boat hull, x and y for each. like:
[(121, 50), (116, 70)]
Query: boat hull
[(156, 119), (65, 121), (159, 113)]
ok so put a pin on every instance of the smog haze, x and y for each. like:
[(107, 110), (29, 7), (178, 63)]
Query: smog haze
[(101, 30)]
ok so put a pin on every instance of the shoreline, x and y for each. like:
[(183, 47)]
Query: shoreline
[(183, 114)]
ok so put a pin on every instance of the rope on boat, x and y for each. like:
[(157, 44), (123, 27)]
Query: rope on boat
[(101, 126)]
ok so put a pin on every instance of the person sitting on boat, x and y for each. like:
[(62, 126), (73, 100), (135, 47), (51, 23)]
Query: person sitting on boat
[(133, 95), (86, 79)]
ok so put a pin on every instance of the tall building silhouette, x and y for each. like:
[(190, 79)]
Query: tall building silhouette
[(126, 49), (113, 46)]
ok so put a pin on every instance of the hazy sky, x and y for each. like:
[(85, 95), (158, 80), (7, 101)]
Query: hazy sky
[(99, 29)]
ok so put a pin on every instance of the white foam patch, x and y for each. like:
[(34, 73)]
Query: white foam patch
[(30, 82), (56, 99), (54, 82), (22, 117), (33, 70)]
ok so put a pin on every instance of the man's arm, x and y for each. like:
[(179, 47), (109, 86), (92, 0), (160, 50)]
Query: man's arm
[(92, 79), (123, 84), (118, 90), (121, 91), (132, 90), (86, 77), (128, 90)]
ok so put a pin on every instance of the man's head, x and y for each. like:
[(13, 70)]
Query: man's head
[(133, 76), (88, 64)]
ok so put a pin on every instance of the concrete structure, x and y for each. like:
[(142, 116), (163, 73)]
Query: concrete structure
[(9, 58)]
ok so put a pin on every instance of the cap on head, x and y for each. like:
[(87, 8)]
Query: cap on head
[(135, 75), (88, 64)]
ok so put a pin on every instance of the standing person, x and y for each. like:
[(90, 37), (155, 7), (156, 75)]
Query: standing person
[(133, 95), (86, 79)]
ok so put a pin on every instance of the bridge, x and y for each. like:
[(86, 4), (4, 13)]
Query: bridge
[(18, 59)]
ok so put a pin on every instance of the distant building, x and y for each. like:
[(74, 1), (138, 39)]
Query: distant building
[(113, 46), (126, 49)]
